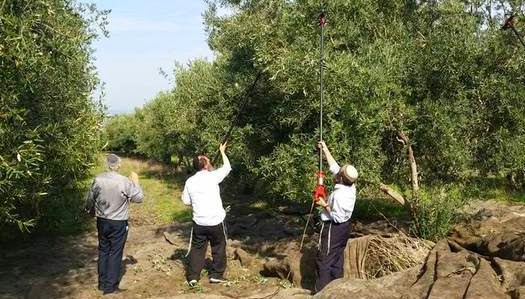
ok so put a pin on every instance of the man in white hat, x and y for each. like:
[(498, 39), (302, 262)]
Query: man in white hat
[(109, 199), (335, 216)]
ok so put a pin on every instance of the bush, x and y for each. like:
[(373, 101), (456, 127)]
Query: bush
[(121, 133), (436, 211)]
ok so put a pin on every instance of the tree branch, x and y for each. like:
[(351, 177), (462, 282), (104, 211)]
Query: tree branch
[(393, 194), (412, 162)]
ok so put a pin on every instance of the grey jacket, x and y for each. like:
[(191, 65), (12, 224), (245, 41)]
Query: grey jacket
[(110, 195)]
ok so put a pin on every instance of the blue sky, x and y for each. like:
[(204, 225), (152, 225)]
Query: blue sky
[(144, 37)]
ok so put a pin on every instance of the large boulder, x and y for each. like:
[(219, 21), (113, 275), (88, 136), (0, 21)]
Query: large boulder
[(513, 274), (387, 287), (495, 230), (293, 265)]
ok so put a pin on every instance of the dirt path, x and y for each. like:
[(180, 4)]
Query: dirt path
[(66, 268)]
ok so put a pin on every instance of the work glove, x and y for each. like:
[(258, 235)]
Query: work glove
[(320, 194)]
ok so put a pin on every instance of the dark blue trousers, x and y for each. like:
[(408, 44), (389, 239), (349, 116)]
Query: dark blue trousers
[(112, 235), (330, 263)]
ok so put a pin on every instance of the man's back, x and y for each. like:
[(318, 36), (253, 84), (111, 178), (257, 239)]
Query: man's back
[(111, 194), (202, 192)]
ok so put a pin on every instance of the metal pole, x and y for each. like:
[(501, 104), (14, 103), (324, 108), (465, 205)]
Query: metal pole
[(322, 22), (235, 121), (518, 35), (509, 23)]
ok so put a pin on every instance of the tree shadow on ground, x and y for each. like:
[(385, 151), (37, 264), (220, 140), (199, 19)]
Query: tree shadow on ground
[(259, 231), (46, 267)]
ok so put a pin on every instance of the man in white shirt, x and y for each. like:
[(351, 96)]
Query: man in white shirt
[(202, 192), (335, 216)]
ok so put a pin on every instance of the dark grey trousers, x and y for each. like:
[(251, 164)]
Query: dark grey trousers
[(330, 263), (216, 235)]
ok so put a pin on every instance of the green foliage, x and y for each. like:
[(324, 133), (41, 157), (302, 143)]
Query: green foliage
[(436, 211), (121, 133), (441, 72), (48, 122)]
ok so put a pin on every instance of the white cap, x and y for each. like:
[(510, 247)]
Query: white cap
[(349, 172)]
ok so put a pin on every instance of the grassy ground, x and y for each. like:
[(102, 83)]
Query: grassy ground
[(493, 188), (162, 204), (162, 187)]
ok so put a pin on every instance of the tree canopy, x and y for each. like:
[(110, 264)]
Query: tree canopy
[(440, 73)]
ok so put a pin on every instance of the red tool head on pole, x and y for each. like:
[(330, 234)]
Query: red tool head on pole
[(320, 190)]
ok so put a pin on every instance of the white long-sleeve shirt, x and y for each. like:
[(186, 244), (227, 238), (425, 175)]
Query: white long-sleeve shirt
[(202, 192), (341, 201)]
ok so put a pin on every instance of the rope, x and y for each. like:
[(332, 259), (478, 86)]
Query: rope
[(306, 226)]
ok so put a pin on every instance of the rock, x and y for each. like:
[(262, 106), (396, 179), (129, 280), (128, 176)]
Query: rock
[(387, 287), (274, 267), (485, 283), (495, 230), (246, 259), (449, 272), (195, 296), (297, 267), (293, 293), (513, 274)]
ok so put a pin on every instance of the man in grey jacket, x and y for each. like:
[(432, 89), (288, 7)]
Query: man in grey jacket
[(109, 199)]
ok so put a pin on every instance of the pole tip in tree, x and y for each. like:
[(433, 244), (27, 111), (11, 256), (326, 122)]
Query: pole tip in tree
[(322, 19), (509, 23)]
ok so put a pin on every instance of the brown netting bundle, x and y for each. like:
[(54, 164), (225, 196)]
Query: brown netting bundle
[(375, 256)]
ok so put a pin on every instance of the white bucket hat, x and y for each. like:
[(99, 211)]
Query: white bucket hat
[(349, 172)]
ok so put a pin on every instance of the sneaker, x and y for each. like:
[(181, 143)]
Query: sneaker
[(218, 280), (192, 283)]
